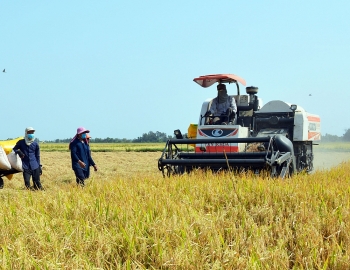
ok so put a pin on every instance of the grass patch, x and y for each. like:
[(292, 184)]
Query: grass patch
[(107, 147), (333, 146)]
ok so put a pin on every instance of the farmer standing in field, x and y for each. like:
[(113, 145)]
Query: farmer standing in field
[(28, 150), (81, 156)]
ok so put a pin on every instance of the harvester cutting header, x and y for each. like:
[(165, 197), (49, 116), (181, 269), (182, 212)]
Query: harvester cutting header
[(237, 132)]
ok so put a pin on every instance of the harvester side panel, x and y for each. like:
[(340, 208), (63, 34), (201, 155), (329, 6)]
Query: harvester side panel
[(218, 133), (300, 127), (307, 127), (314, 127)]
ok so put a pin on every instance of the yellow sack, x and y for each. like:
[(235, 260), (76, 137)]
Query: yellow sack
[(8, 146), (4, 162), (9, 176), (192, 132)]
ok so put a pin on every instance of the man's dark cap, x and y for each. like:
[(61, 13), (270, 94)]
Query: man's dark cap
[(221, 86)]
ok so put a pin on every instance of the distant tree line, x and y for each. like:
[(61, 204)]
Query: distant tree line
[(153, 137), (335, 138), (150, 137), (158, 136)]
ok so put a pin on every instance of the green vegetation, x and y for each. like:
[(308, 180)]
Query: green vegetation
[(107, 147), (150, 137), (334, 138), (111, 147), (333, 146)]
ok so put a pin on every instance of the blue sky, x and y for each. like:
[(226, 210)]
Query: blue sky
[(124, 68)]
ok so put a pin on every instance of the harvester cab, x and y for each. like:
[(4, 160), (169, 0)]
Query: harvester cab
[(245, 104), (278, 136), (240, 127)]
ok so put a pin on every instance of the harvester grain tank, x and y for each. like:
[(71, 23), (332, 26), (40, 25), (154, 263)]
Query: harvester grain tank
[(278, 136)]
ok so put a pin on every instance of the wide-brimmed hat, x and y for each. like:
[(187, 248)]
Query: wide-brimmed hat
[(81, 130)]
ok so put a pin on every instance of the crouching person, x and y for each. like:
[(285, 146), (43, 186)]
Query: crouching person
[(81, 156), (29, 151)]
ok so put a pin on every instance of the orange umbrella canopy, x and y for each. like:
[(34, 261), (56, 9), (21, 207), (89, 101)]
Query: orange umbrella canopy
[(209, 80)]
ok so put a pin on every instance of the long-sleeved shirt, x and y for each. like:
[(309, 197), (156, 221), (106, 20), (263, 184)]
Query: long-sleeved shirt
[(31, 159), (81, 151), (220, 108)]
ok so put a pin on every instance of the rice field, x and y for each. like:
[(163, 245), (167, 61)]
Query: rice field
[(106, 147), (129, 217)]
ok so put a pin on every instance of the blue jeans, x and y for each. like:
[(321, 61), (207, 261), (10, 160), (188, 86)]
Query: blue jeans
[(35, 174)]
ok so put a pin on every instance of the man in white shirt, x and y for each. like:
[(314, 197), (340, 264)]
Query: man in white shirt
[(223, 107)]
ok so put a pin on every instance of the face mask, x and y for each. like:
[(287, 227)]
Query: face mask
[(30, 136), (83, 136)]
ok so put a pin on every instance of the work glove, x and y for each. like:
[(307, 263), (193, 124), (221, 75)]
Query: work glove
[(207, 113), (41, 169)]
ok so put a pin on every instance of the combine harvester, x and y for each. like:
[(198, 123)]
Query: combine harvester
[(277, 137)]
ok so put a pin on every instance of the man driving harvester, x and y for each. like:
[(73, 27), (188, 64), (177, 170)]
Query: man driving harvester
[(223, 109)]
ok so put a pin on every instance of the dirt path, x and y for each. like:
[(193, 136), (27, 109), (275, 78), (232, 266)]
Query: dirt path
[(327, 160)]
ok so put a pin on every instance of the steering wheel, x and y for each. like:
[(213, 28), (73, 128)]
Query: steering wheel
[(211, 117)]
